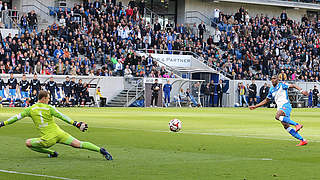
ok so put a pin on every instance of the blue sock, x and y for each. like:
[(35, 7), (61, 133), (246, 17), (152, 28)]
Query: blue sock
[(294, 133), (288, 120)]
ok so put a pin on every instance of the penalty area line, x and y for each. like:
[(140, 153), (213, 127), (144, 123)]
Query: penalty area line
[(31, 174)]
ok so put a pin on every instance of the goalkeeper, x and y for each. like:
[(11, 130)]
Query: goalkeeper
[(42, 115)]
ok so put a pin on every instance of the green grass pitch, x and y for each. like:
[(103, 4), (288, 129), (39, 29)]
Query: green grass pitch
[(230, 143)]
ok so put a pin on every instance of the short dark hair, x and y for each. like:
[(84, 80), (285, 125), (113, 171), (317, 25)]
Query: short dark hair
[(42, 94)]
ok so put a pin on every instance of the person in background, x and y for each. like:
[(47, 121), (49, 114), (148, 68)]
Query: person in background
[(195, 93), (33, 97), (24, 91), (315, 93), (52, 87), (190, 96), (252, 93), (74, 91), (220, 93), (78, 92), (2, 88), (310, 96), (12, 86), (100, 98), (67, 90), (207, 95), (167, 89), (212, 89), (35, 84), (264, 90), (242, 94), (155, 92)]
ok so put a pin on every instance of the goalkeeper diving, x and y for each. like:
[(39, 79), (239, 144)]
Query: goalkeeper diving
[(42, 115)]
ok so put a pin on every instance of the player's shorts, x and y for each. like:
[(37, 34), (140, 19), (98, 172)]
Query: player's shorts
[(252, 96), (67, 94), (286, 108), (2, 94), (12, 92), (57, 137), (24, 94)]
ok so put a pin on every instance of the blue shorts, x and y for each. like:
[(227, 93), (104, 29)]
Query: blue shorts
[(286, 108), (2, 94), (24, 94), (12, 92)]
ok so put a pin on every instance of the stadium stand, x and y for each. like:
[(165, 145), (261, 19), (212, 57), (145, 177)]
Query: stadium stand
[(108, 37)]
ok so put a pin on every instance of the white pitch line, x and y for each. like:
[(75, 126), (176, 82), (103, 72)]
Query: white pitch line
[(31, 174)]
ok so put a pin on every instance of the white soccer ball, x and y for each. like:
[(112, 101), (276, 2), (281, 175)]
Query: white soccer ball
[(175, 125)]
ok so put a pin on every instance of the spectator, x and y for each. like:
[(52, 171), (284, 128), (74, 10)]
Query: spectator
[(310, 96), (202, 29), (32, 20), (283, 17), (315, 93), (167, 89), (220, 93), (252, 93), (207, 95), (54, 28), (242, 94), (216, 16), (155, 92), (264, 90), (212, 90)]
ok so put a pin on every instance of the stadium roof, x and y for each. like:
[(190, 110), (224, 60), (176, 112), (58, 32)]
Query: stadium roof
[(288, 4)]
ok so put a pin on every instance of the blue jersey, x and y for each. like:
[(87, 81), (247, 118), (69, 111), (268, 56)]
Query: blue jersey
[(280, 94), (167, 88)]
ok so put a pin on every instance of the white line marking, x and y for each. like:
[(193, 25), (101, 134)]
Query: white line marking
[(30, 174)]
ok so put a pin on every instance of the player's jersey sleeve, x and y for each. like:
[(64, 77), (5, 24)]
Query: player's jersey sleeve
[(54, 112), (285, 86), (13, 119), (269, 96)]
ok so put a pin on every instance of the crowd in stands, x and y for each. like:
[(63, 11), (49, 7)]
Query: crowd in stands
[(103, 43), (106, 39), (259, 47)]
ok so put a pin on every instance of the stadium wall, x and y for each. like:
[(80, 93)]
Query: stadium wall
[(207, 8), (110, 86)]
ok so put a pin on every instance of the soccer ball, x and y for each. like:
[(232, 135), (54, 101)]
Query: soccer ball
[(175, 125)]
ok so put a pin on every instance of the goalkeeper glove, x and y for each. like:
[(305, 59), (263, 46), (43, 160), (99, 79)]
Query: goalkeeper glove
[(81, 125), (1, 124)]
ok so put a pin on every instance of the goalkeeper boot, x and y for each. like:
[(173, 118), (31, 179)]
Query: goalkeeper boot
[(105, 154), (55, 154)]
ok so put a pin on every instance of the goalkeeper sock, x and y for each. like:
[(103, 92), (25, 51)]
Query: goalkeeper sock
[(287, 120), (294, 133), (89, 146), (42, 150)]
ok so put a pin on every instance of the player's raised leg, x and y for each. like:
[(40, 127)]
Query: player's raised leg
[(35, 145), (286, 124)]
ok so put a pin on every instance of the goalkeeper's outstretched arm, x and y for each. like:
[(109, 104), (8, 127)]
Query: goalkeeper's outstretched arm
[(13, 119), (81, 125)]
